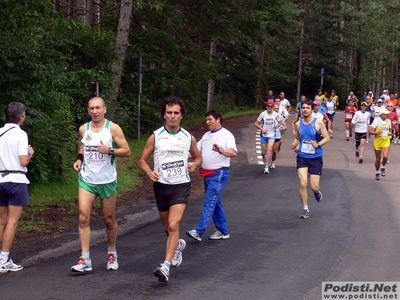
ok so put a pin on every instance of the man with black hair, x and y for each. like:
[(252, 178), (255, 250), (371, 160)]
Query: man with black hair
[(217, 146), (310, 136), (171, 146)]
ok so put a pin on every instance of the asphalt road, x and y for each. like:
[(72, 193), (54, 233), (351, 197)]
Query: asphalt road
[(352, 235)]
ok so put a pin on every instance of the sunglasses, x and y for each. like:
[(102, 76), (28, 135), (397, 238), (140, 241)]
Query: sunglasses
[(269, 106)]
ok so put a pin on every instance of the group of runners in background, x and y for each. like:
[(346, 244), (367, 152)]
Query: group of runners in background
[(314, 127)]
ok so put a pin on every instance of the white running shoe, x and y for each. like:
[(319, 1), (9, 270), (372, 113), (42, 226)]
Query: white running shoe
[(82, 265), (177, 258), (162, 273), (194, 235), (112, 261), (218, 235), (266, 170), (9, 266), (273, 165)]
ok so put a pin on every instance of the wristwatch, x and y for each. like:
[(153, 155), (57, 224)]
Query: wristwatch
[(111, 151)]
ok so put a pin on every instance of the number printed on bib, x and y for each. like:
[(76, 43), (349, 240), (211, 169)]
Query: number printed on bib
[(173, 171), (94, 156), (307, 147)]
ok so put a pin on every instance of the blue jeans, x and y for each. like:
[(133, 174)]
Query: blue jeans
[(212, 207)]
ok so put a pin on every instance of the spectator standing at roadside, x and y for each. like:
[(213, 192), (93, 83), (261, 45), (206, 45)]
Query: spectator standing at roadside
[(217, 146), (15, 155), (101, 141), (170, 146)]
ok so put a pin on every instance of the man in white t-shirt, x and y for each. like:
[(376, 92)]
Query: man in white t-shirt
[(282, 110), (284, 102), (15, 155), (217, 146), (361, 121), (267, 122), (316, 111)]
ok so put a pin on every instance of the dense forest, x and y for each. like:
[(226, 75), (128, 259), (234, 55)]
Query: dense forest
[(213, 54)]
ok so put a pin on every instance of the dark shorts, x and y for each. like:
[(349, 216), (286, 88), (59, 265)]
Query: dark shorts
[(360, 136), (314, 165), (15, 194), (331, 117), (170, 194)]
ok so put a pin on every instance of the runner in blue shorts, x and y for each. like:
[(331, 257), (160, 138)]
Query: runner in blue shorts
[(310, 136)]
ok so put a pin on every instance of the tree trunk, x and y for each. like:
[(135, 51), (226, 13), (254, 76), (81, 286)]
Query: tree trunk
[(300, 65), (260, 76), (121, 46), (211, 82), (56, 5), (90, 19), (71, 10), (174, 81)]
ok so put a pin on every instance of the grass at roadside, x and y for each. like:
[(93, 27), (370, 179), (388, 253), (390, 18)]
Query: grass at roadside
[(62, 197)]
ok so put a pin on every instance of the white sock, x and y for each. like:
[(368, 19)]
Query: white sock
[(86, 254), (4, 255), (305, 207), (167, 264), (347, 132), (111, 249)]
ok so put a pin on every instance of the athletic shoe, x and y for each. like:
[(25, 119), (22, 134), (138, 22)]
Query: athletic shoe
[(396, 141), (318, 196), (264, 158), (9, 266), (347, 138), (357, 153), (305, 214), (377, 176), (331, 136), (367, 141), (266, 170), (162, 273), (383, 173), (360, 160), (177, 258), (351, 133), (218, 235), (112, 261), (272, 165), (194, 235), (82, 265)]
